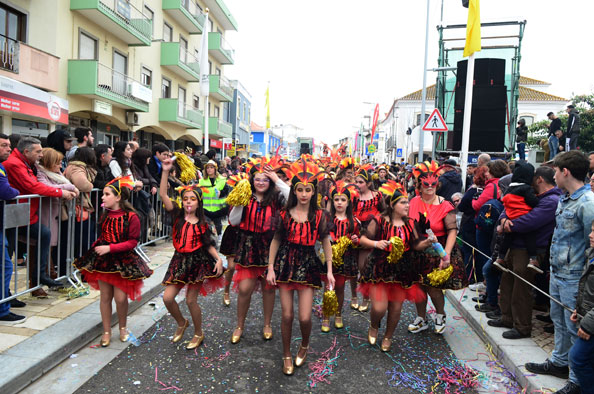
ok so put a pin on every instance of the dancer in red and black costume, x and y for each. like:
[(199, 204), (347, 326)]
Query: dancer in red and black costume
[(293, 263), (195, 263), (389, 283), (257, 223), (111, 265), (344, 224)]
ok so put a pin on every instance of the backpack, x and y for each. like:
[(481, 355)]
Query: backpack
[(489, 213)]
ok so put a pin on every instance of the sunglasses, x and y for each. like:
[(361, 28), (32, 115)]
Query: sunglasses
[(429, 184)]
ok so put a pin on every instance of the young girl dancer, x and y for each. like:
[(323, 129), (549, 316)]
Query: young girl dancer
[(293, 262), (111, 265), (195, 263), (256, 222), (344, 225), (389, 283)]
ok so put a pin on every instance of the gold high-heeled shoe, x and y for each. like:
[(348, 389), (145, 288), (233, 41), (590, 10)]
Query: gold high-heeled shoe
[(299, 361), (364, 307), (267, 333), (372, 338), (386, 344), (179, 333), (288, 370), (194, 344), (105, 342), (325, 325), (124, 337), (226, 299), (354, 303), (235, 338), (338, 322)]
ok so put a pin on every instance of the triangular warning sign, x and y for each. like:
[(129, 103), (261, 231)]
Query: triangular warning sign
[(435, 122)]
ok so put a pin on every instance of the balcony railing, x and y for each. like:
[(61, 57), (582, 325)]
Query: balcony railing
[(189, 113), (112, 81), (130, 15), (225, 86), (193, 9), (9, 54), (189, 59)]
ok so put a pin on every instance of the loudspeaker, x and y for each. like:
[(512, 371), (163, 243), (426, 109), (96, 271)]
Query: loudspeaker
[(483, 97), (487, 71)]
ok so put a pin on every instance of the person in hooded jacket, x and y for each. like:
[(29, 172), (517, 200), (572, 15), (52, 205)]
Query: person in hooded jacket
[(450, 181), (61, 140)]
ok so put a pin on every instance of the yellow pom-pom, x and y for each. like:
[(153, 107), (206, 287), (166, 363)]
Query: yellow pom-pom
[(396, 251), (241, 194), (329, 303), (438, 277), (338, 250), (188, 169)]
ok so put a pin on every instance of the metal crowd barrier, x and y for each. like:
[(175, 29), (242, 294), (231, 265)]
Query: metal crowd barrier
[(75, 235)]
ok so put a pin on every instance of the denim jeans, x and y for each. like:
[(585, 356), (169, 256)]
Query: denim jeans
[(581, 357), (493, 278), (42, 236), (5, 307), (483, 243), (553, 146), (521, 150), (565, 290)]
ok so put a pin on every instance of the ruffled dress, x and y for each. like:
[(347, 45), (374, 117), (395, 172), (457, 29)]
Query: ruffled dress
[(365, 210), (121, 267), (384, 281), (348, 269)]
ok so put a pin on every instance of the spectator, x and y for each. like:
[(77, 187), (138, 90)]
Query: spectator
[(142, 199), (22, 175), (521, 138), (121, 161), (574, 216), (140, 170), (470, 175), (562, 140), (573, 128), (14, 140), (6, 193), (160, 153), (173, 180), (211, 154), (48, 173), (516, 298), (483, 159), (61, 140), (450, 181), (84, 137), (215, 207), (133, 145), (102, 159), (553, 140)]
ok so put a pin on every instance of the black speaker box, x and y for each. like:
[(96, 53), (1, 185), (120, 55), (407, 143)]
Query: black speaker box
[(487, 71), (483, 97)]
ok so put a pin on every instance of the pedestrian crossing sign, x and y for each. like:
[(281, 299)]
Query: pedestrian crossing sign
[(435, 122)]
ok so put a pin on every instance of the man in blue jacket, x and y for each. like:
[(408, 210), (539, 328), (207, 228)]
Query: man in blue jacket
[(6, 193), (574, 216), (516, 298)]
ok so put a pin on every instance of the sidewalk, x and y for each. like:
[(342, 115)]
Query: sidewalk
[(56, 327), (513, 354)]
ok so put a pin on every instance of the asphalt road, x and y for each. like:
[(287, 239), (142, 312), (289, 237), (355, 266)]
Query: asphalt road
[(255, 365)]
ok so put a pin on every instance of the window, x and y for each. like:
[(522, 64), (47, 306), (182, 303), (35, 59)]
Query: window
[(13, 24), (210, 25), (183, 49), (419, 118), (209, 67), (217, 71), (181, 102), (238, 110), (87, 46), (146, 77), (150, 15), (165, 88), (244, 111), (216, 111), (167, 32), (196, 101), (120, 70)]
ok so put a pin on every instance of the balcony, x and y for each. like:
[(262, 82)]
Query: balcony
[(219, 128), (220, 88), (219, 49), (120, 18), (221, 13), (186, 14), (173, 111), (180, 61), (94, 80)]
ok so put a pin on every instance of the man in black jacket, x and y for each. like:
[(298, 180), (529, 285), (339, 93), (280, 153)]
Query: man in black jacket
[(103, 154), (573, 128), (160, 153)]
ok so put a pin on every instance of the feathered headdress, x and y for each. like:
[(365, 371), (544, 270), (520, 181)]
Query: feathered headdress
[(347, 162), (121, 181), (393, 189), (234, 179), (194, 188), (342, 188), (304, 171), (260, 163), (428, 171), (364, 171)]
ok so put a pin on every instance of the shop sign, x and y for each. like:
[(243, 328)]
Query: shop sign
[(141, 92), (101, 107), (216, 144)]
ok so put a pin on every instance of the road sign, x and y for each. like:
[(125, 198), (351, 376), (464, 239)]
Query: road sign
[(435, 122), (399, 152), (371, 148)]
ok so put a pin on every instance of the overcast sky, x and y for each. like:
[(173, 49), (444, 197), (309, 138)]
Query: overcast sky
[(324, 58)]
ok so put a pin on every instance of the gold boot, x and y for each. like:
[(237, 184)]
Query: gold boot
[(179, 333), (195, 342), (105, 342), (299, 361), (236, 337)]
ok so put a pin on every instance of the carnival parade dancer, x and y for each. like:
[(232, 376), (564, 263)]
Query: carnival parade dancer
[(389, 277), (195, 263), (293, 263), (344, 235), (369, 205), (111, 265), (256, 222), (433, 212)]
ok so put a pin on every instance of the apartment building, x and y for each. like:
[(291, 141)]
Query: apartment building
[(130, 68)]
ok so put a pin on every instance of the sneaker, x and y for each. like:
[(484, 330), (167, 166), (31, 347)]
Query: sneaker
[(514, 334), (418, 325), (480, 287), (494, 315), (548, 368), (14, 303), (569, 388), (439, 323), (12, 318), (486, 308), (482, 298)]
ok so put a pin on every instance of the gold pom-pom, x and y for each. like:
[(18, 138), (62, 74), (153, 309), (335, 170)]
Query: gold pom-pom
[(338, 250), (241, 194), (438, 277), (329, 303), (396, 251), (188, 169)]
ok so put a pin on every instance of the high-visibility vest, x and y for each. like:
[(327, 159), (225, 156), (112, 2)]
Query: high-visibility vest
[(210, 201)]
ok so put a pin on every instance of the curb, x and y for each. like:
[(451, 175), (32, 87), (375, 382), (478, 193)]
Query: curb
[(27, 361), (513, 354)]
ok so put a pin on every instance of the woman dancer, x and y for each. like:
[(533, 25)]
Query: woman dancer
[(293, 262), (111, 265), (195, 263)]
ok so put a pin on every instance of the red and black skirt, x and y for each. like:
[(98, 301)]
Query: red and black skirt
[(347, 270), (192, 269), (253, 248), (428, 260), (229, 241), (297, 266)]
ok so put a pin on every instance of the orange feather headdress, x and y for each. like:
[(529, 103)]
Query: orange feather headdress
[(393, 189), (304, 171), (119, 182), (341, 188)]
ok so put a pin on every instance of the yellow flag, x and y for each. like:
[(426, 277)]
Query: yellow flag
[(268, 107), (473, 29)]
